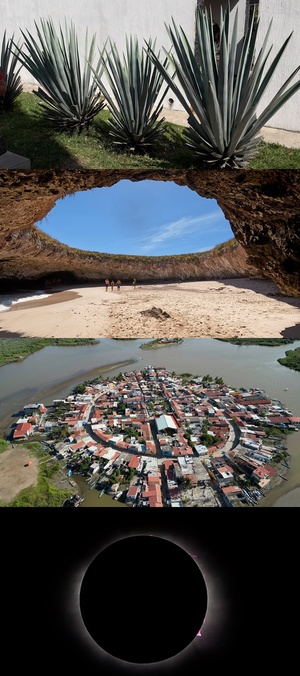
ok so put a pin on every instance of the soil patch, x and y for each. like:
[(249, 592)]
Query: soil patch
[(15, 472)]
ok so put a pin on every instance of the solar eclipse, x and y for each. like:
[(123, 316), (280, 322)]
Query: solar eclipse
[(143, 599)]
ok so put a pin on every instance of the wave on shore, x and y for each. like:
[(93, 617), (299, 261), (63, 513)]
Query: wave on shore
[(6, 301)]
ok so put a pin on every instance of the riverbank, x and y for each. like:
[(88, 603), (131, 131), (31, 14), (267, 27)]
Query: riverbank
[(225, 308), (15, 350)]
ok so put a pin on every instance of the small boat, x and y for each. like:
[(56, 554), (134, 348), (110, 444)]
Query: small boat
[(118, 495), (286, 389)]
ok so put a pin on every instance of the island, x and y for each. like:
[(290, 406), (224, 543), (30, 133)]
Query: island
[(291, 359), (265, 342), (161, 342), (148, 438)]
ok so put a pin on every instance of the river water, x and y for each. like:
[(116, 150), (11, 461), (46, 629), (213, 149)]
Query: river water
[(52, 373)]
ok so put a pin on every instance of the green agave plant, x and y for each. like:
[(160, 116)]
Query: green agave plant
[(10, 69), (221, 92), (69, 94), (135, 85)]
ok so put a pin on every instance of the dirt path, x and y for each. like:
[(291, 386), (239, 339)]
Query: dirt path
[(14, 476)]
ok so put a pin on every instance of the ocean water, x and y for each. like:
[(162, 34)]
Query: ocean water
[(7, 300)]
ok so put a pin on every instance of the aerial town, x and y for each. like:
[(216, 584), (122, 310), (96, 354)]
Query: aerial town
[(151, 438)]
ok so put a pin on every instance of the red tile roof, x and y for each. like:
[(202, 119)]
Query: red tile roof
[(75, 447), (152, 479), (231, 489), (21, 430), (133, 491), (134, 462)]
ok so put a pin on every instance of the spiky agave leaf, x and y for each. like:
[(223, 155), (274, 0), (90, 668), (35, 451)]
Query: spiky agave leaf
[(133, 94), (10, 69), (221, 95), (70, 97)]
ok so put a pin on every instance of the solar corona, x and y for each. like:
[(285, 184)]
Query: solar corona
[(150, 633)]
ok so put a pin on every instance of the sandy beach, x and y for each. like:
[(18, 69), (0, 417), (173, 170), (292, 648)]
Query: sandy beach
[(225, 308)]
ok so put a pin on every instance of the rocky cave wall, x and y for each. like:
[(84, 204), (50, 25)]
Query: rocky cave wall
[(263, 209)]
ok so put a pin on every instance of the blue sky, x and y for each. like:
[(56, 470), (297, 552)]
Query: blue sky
[(149, 218)]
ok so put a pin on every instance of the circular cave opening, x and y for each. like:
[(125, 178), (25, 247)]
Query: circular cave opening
[(143, 599), (143, 218)]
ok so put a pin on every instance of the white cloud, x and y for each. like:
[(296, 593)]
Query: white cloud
[(184, 226)]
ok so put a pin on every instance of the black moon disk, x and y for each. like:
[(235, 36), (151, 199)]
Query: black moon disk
[(143, 599)]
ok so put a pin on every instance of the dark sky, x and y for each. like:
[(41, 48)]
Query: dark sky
[(251, 562)]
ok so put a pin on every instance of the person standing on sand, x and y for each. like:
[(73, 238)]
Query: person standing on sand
[(112, 284), (107, 282), (134, 284), (118, 284)]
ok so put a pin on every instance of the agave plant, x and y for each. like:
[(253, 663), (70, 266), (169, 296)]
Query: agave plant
[(69, 94), (135, 85), (10, 69), (221, 91)]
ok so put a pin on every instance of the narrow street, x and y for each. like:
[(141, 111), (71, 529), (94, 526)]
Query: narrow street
[(234, 437)]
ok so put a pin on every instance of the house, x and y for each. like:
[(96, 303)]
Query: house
[(114, 488), (166, 422), (201, 449), (94, 467), (224, 474), (261, 476), (23, 430), (134, 462), (77, 447), (132, 493), (231, 494), (29, 408)]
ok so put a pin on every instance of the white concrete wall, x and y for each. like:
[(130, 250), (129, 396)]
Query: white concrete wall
[(286, 18), (146, 18), (106, 18)]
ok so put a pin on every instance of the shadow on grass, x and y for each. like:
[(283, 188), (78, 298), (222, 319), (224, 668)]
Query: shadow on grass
[(26, 132), (169, 152)]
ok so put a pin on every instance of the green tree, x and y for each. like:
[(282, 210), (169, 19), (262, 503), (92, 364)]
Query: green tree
[(58, 432), (79, 389), (219, 381)]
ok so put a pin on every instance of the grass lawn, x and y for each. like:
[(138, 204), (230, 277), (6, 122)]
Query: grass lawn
[(26, 132)]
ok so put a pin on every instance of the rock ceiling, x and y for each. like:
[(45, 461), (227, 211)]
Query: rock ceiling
[(262, 207)]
